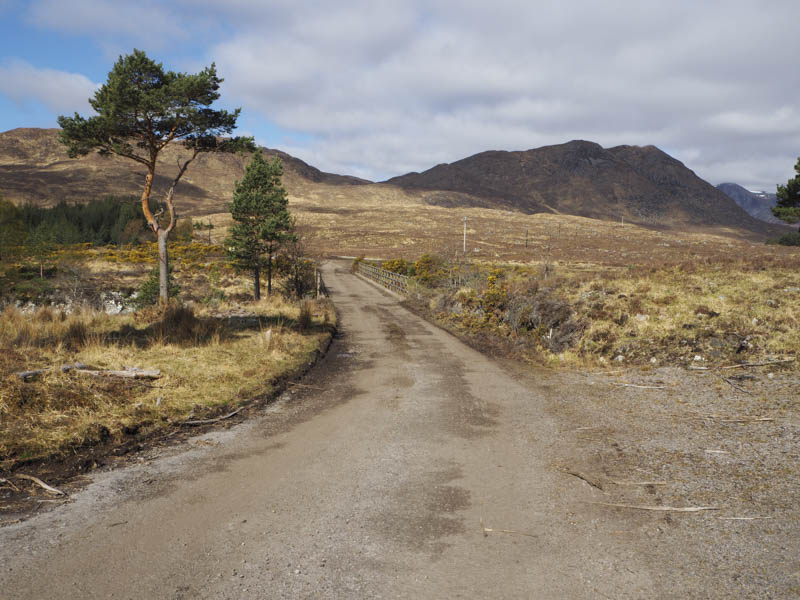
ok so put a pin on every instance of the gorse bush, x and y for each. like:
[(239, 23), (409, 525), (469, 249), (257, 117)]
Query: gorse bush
[(398, 265)]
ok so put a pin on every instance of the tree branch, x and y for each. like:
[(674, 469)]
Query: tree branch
[(171, 191)]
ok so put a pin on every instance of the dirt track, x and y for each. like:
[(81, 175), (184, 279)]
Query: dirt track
[(406, 466)]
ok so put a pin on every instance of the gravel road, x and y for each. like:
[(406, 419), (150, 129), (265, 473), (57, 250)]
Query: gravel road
[(407, 465)]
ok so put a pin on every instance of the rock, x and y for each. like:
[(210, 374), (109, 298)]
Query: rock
[(697, 358), (619, 358)]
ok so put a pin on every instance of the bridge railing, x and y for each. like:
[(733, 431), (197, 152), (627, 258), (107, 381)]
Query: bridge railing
[(388, 279)]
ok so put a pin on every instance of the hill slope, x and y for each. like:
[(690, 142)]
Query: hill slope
[(34, 167), (640, 184), (757, 204)]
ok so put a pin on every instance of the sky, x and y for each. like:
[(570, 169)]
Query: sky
[(383, 87)]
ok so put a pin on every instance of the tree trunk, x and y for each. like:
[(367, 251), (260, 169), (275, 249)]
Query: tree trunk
[(257, 283), (163, 267), (269, 275)]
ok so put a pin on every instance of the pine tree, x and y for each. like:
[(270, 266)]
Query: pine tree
[(788, 205), (260, 210), (141, 109)]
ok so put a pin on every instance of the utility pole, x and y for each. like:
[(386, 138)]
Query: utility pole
[(465, 236), (526, 237)]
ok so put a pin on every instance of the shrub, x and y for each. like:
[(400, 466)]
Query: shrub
[(789, 239), (398, 265), (356, 261), (183, 230), (147, 293), (429, 269), (305, 320)]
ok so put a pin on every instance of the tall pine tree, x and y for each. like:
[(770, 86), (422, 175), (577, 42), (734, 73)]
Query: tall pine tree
[(143, 108), (260, 210)]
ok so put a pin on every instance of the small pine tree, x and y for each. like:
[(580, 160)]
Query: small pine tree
[(788, 205), (260, 210), (147, 293)]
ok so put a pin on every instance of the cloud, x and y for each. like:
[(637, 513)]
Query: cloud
[(61, 92), (419, 83), (377, 89), (116, 24)]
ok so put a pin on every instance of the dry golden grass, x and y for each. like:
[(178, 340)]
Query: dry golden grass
[(207, 361), (684, 314), (380, 221), (719, 312)]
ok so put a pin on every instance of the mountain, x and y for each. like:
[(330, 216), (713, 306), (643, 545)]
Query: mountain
[(757, 204), (35, 168), (640, 184)]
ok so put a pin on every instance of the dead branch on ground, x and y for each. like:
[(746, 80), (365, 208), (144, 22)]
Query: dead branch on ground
[(640, 387), (615, 482), (733, 385), (47, 488), (658, 508), (209, 421), (582, 476), (488, 530), (8, 483), (744, 365)]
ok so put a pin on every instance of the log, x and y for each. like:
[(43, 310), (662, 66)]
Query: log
[(25, 375), (130, 373)]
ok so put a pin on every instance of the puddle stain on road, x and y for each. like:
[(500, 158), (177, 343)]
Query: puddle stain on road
[(423, 511)]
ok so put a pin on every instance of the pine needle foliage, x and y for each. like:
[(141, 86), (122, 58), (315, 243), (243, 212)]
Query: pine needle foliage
[(260, 211)]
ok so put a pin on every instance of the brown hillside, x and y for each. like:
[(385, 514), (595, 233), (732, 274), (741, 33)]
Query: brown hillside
[(640, 184), (34, 167)]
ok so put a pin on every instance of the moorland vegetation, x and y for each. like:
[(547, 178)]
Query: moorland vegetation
[(693, 313)]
